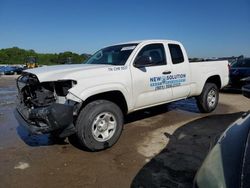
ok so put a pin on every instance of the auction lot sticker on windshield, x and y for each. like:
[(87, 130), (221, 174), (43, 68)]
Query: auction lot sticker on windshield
[(128, 48)]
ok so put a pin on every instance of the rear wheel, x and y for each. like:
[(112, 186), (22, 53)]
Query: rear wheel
[(99, 125), (208, 99)]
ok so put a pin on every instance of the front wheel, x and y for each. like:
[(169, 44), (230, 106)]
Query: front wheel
[(208, 99), (99, 125)]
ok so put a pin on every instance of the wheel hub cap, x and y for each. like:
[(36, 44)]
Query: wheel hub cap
[(211, 98), (104, 126)]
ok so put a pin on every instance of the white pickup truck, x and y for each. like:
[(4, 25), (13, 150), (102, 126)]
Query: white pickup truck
[(91, 99)]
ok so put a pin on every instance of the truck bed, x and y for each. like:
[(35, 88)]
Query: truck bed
[(209, 68)]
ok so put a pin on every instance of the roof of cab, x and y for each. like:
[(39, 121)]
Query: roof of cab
[(149, 41)]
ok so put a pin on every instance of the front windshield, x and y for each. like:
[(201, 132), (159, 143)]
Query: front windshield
[(241, 63), (113, 55)]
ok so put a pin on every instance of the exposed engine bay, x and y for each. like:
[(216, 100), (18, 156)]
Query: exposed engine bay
[(35, 94), (44, 105)]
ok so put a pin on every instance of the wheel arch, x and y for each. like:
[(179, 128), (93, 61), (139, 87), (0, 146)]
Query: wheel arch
[(115, 96), (215, 79)]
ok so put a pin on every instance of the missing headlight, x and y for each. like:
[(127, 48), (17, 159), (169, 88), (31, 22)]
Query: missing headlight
[(36, 94)]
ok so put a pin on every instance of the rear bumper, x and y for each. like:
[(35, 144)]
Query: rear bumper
[(45, 119)]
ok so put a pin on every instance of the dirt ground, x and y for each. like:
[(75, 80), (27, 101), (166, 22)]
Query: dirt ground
[(159, 147)]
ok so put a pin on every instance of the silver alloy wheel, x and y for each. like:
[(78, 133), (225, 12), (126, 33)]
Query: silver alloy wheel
[(211, 98), (104, 126)]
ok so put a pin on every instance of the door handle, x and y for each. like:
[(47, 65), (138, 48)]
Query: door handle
[(166, 72)]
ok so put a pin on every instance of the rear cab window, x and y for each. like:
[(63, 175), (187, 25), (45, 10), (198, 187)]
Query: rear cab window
[(176, 53)]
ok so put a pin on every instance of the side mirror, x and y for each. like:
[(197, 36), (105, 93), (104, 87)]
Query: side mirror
[(246, 91), (143, 61)]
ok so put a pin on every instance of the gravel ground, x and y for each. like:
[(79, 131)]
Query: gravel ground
[(160, 147)]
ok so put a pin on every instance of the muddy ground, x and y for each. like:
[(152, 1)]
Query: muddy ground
[(160, 147)]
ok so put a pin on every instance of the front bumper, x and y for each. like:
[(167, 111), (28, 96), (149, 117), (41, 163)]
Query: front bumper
[(45, 119)]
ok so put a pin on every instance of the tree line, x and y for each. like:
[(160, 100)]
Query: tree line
[(17, 55)]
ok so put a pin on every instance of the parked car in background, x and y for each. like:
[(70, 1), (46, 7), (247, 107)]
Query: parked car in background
[(10, 70), (228, 163), (1, 70), (239, 70)]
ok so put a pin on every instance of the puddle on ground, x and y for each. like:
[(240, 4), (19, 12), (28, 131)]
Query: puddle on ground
[(8, 90), (7, 96), (185, 105), (34, 140)]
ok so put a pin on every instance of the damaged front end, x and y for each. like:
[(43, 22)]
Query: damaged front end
[(43, 107)]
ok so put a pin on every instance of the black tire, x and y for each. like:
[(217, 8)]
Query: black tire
[(203, 101), (85, 121)]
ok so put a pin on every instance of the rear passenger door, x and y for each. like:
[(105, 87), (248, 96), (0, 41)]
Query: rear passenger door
[(180, 75)]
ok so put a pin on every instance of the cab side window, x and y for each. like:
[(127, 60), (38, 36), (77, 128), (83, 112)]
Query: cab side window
[(156, 53), (176, 53)]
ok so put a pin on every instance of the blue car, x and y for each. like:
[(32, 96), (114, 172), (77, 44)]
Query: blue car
[(10, 70), (2, 70), (239, 70)]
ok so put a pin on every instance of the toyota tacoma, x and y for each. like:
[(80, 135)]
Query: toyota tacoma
[(92, 99)]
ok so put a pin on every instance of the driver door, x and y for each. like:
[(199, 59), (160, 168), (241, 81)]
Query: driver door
[(149, 82)]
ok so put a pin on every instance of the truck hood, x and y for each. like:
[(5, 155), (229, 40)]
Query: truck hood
[(72, 72)]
